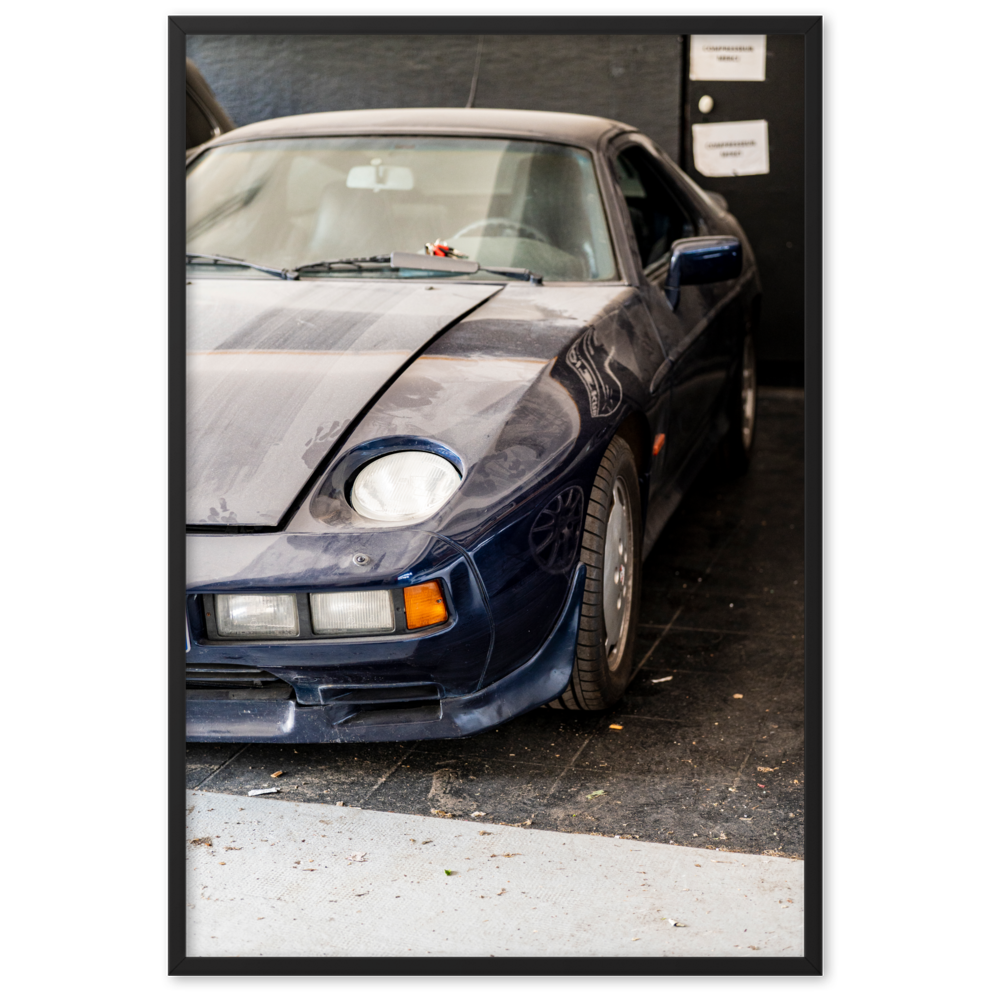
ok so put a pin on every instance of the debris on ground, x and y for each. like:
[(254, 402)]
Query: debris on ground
[(422, 842), (516, 854), (448, 871), (263, 791), (660, 680), (277, 774), (593, 795), (767, 769), (674, 923), (737, 696), (442, 814), (478, 814), (501, 892), (202, 842), (229, 848), (485, 833), (614, 725), (357, 857)]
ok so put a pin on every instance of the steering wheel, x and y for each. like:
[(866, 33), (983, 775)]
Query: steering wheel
[(499, 220)]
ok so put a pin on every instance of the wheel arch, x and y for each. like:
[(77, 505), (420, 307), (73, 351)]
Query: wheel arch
[(638, 435)]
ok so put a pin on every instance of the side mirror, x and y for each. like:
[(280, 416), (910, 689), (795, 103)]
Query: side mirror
[(702, 260)]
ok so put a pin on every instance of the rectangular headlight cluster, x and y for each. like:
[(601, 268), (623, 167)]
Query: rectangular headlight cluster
[(352, 611), (256, 614), (344, 612)]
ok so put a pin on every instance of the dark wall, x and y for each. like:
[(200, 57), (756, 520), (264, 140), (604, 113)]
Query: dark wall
[(770, 207), (632, 78)]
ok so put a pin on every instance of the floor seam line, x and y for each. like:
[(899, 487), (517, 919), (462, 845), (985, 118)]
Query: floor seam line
[(385, 777), (224, 764), (568, 768)]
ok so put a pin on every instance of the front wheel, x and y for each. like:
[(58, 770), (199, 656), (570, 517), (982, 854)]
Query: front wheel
[(611, 550)]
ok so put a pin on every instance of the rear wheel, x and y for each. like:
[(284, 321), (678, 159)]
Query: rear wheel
[(737, 446), (612, 552)]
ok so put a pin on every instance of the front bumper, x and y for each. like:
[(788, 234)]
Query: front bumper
[(534, 683)]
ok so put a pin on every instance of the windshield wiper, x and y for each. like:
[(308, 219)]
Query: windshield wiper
[(398, 260), (278, 272), (521, 273), (355, 262)]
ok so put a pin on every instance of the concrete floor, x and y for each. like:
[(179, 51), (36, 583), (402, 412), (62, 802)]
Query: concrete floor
[(710, 753), (293, 879)]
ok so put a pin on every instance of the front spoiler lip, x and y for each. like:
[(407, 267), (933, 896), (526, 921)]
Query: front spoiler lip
[(536, 682)]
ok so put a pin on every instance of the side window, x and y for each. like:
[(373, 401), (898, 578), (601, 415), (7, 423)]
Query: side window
[(657, 216)]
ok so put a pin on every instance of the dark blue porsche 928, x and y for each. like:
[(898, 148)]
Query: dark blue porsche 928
[(449, 374)]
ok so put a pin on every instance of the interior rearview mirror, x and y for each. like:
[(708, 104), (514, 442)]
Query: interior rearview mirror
[(379, 177), (701, 260)]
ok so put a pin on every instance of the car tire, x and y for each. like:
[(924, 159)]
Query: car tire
[(612, 551), (736, 450)]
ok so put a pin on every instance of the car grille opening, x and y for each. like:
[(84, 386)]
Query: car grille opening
[(372, 706), (221, 682), (400, 713)]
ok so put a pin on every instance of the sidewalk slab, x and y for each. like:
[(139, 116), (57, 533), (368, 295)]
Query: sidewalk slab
[(280, 878)]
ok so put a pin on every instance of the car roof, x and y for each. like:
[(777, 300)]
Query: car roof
[(583, 130)]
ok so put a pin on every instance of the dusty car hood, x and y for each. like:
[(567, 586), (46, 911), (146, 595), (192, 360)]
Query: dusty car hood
[(277, 370)]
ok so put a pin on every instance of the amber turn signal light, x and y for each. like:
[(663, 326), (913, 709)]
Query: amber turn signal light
[(424, 605)]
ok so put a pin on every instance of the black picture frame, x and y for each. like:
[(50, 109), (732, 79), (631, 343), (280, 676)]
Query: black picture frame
[(810, 27)]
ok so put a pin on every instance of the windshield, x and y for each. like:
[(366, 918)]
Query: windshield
[(289, 202)]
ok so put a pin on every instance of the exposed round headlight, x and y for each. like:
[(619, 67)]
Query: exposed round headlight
[(404, 486)]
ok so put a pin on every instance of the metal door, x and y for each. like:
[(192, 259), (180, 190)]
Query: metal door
[(769, 206)]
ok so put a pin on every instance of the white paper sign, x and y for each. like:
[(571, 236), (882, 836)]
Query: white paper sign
[(730, 149), (728, 57)]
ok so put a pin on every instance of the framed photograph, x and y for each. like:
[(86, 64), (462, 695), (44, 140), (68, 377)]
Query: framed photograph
[(495, 366)]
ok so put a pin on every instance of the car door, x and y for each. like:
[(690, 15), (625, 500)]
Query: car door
[(696, 347)]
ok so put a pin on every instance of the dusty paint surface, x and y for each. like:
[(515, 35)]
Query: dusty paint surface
[(276, 369)]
